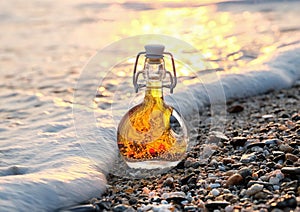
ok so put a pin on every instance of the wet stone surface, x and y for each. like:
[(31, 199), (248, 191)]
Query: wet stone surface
[(255, 166)]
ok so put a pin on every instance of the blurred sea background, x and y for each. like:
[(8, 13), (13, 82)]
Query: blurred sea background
[(253, 46)]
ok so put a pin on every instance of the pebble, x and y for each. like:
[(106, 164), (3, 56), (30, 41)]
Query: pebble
[(268, 116), (238, 141), (227, 161), (169, 182), (215, 192), (146, 190), (252, 182), (164, 207), (235, 108), (291, 157), (257, 149), (247, 158), (274, 180), (277, 173), (132, 201), (120, 208), (260, 195), (255, 143), (217, 136), (229, 208), (286, 148), (245, 172), (146, 207), (254, 189), (291, 170), (185, 179), (296, 117), (189, 197), (177, 196), (271, 141), (214, 185), (104, 204), (292, 185), (235, 179), (190, 208), (164, 202)]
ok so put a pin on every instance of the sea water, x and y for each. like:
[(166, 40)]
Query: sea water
[(45, 162)]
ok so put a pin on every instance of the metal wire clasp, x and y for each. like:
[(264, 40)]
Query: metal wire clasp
[(136, 74)]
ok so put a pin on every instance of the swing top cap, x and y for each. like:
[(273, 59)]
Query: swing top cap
[(154, 50)]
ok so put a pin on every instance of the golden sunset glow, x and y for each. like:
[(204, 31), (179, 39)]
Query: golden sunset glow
[(222, 43)]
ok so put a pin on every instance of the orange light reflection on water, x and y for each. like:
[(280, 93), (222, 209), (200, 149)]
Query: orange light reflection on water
[(225, 40)]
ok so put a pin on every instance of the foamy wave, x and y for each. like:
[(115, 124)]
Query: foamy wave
[(75, 180)]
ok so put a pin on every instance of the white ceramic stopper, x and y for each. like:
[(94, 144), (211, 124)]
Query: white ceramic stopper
[(154, 50)]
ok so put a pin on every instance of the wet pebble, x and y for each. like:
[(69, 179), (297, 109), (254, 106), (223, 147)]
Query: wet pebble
[(103, 204), (120, 208)]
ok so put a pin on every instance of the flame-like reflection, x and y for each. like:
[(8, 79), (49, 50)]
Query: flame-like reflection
[(226, 41)]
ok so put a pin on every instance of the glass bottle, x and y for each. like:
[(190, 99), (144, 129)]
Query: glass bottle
[(152, 134)]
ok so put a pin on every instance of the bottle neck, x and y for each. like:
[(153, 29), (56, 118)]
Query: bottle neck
[(154, 75), (154, 89)]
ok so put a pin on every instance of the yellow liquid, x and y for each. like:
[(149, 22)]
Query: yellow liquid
[(145, 132)]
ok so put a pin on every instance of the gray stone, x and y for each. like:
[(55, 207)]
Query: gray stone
[(254, 189), (247, 158)]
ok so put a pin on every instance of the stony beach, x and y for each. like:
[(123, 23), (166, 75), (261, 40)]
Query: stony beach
[(254, 166)]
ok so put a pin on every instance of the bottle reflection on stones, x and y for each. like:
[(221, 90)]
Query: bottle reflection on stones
[(153, 134)]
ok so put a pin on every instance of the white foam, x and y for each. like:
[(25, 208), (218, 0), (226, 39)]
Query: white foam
[(74, 181)]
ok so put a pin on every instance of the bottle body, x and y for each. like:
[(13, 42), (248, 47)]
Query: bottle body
[(152, 134)]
